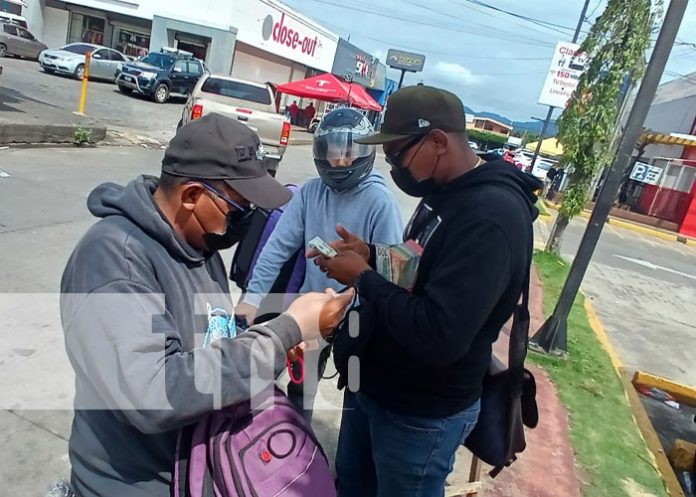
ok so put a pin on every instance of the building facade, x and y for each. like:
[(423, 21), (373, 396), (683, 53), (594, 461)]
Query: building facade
[(353, 64), (663, 183), (261, 40), (491, 126)]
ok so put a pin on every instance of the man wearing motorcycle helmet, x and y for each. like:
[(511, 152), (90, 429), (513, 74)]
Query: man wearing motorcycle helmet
[(347, 195)]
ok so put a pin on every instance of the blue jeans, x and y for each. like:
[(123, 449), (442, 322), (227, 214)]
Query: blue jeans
[(382, 453)]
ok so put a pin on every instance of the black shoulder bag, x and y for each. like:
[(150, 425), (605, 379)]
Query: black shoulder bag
[(508, 401)]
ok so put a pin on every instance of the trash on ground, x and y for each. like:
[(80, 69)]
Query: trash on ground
[(658, 394), (3, 174)]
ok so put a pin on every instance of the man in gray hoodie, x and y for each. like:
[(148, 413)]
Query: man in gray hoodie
[(141, 290)]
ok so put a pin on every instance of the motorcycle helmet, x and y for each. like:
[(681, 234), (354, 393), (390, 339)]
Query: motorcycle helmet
[(340, 161)]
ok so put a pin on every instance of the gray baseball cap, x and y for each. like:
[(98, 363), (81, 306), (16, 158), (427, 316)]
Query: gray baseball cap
[(216, 147)]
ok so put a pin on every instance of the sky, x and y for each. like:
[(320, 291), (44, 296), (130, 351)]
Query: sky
[(493, 61)]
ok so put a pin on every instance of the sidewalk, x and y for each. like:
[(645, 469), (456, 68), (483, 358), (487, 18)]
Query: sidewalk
[(663, 234), (547, 467)]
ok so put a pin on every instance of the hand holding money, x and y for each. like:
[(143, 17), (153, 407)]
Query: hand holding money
[(319, 313), (347, 242), (344, 268)]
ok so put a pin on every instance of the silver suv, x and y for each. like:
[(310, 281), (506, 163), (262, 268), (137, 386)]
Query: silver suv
[(15, 40)]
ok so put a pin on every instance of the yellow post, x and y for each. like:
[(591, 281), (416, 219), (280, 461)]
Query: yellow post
[(85, 79)]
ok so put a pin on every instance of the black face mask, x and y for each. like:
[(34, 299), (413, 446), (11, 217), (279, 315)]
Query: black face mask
[(237, 225), (411, 186), (403, 178)]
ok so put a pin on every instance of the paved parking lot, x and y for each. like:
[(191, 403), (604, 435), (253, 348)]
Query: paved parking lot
[(29, 95)]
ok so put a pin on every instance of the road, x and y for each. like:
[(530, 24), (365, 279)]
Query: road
[(28, 95), (640, 287), (42, 215), (643, 289)]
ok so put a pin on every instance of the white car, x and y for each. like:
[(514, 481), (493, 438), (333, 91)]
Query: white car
[(70, 60), (523, 160), (541, 168), (249, 102), (473, 145)]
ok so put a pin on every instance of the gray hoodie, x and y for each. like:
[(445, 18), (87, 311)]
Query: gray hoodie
[(369, 210), (136, 301)]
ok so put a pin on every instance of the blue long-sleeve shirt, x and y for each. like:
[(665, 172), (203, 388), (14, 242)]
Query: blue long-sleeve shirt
[(369, 210)]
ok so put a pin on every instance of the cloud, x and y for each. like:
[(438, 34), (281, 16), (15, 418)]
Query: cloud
[(455, 73)]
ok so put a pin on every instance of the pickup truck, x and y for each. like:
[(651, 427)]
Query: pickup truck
[(251, 103)]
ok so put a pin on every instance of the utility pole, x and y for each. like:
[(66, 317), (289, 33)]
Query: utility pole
[(547, 121), (553, 335)]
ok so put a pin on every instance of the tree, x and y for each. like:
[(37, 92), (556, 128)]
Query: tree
[(530, 138), (486, 139), (616, 49)]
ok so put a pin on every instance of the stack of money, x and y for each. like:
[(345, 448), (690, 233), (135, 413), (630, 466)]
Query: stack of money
[(399, 263)]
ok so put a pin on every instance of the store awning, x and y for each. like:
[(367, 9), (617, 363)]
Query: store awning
[(550, 147), (331, 89), (662, 139)]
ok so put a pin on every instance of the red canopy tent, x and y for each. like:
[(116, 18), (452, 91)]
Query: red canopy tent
[(357, 92), (331, 89)]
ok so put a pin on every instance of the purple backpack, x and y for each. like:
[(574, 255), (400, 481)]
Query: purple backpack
[(237, 452)]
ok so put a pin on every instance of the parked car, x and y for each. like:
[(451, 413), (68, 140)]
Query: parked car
[(252, 103), (161, 74), (522, 159), (13, 19), (473, 145), (541, 168), (70, 60), (16, 40)]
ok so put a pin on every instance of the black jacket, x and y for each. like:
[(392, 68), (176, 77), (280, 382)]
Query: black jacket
[(427, 351)]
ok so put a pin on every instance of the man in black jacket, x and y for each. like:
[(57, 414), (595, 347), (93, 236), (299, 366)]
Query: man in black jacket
[(423, 353)]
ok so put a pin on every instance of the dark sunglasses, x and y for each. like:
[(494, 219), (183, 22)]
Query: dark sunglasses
[(219, 194), (394, 158)]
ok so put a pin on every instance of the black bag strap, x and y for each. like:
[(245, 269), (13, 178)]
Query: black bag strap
[(519, 339)]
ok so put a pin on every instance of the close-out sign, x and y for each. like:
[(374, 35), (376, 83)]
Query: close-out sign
[(405, 61), (646, 173)]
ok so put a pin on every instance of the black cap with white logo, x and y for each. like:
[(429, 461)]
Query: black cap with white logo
[(416, 110), (216, 147)]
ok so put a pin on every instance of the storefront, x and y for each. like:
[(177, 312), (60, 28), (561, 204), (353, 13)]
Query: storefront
[(664, 187), (358, 66), (271, 41), (279, 45)]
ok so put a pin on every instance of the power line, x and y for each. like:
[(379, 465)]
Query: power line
[(432, 23), (517, 23), (588, 17), (533, 20), (458, 53)]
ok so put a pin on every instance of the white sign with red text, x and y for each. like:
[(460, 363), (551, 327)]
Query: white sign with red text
[(564, 73), (274, 28)]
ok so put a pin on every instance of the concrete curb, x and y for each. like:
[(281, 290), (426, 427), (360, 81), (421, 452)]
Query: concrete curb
[(638, 228), (300, 141), (46, 133), (657, 455)]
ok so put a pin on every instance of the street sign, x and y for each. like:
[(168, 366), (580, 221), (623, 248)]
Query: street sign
[(405, 61), (646, 173), (564, 73)]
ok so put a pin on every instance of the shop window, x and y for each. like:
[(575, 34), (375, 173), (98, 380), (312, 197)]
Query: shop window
[(86, 29), (132, 43)]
